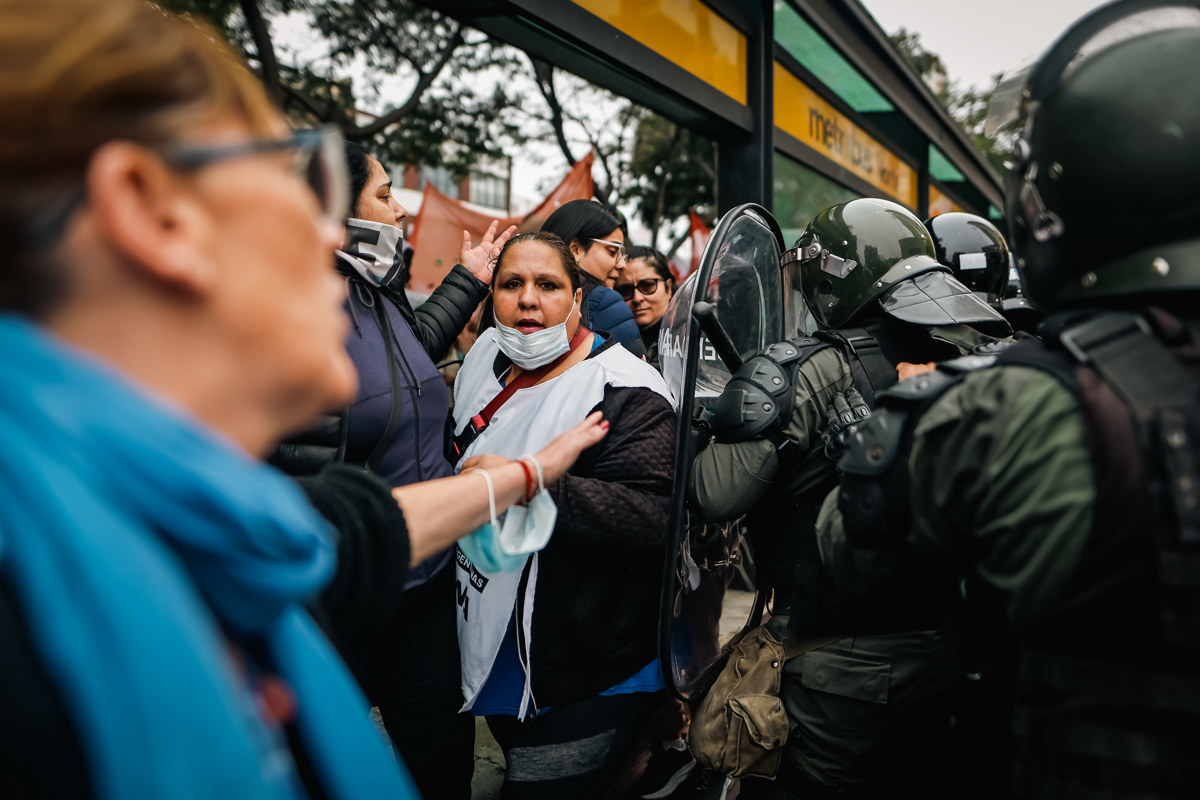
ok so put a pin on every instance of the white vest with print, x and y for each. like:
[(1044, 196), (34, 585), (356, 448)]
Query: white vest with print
[(525, 423)]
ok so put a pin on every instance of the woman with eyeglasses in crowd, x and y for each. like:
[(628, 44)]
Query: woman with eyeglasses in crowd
[(646, 286), (167, 313), (596, 238)]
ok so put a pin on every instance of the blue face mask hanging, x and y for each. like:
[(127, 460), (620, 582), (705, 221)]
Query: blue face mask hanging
[(493, 547)]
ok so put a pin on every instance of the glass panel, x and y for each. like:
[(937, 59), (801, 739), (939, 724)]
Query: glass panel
[(804, 44), (940, 167), (801, 194)]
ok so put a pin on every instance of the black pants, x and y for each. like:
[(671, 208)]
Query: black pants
[(420, 692), (573, 750)]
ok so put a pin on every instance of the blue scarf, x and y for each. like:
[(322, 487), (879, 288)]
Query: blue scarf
[(144, 549)]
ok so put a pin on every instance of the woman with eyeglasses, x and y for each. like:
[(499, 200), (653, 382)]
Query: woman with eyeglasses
[(559, 600), (597, 241), (646, 287), (167, 313)]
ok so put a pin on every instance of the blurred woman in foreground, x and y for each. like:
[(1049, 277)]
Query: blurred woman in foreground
[(168, 312)]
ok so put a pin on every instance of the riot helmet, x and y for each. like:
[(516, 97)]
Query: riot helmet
[(975, 252), (868, 251), (1100, 192)]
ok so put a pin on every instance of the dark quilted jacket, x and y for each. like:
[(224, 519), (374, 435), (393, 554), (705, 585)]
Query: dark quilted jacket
[(607, 312), (595, 620)]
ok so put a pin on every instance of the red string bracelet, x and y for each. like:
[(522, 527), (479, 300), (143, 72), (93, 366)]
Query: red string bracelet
[(528, 481)]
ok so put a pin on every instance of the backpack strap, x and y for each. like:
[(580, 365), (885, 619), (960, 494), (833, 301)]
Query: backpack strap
[(1163, 396), (872, 372)]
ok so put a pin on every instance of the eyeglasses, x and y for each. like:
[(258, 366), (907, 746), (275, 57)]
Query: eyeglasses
[(647, 287), (319, 160), (618, 254)]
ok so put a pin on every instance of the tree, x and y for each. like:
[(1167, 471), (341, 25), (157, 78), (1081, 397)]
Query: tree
[(968, 106), (581, 115), (465, 98), (647, 162), (366, 52), (674, 170)]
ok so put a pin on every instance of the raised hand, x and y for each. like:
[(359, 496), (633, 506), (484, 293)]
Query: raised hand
[(481, 259)]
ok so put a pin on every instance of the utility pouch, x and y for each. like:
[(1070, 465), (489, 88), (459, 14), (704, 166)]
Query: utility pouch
[(740, 726)]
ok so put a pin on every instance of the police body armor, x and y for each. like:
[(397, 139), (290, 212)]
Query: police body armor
[(1109, 685), (863, 268), (757, 402)]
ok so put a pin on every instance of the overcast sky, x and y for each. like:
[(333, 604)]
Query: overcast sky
[(978, 38)]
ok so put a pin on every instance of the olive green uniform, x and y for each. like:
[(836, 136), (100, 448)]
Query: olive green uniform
[(863, 707), (1001, 458), (1004, 478)]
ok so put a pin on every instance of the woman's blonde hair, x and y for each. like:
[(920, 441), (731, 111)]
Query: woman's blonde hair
[(75, 74)]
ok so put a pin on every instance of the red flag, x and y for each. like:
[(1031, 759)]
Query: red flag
[(699, 237), (437, 228)]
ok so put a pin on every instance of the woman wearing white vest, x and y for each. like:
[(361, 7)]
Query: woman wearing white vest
[(558, 599)]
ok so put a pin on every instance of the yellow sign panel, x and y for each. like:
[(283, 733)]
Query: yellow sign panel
[(686, 32), (804, 114), (940, 203)]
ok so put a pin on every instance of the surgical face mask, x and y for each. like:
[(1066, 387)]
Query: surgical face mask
[(493, 547), (376, 251), (532, 350)]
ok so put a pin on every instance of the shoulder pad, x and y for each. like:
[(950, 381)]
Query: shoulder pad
[(792, 350), (755, 399), (877, 440), (925, 386)]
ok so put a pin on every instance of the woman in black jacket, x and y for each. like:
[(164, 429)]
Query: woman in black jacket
[(398, 635)]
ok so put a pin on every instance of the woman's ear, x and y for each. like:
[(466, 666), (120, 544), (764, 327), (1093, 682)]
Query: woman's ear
[(576, 249), (145, 213)]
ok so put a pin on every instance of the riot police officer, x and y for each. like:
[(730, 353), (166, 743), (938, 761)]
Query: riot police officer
[(868, 275), (1063, 478), (975, 252)]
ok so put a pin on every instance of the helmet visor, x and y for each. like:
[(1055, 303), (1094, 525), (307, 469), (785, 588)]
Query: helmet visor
[(937, 298)]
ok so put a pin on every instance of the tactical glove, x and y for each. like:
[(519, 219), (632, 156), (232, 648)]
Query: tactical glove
[(845, 413)]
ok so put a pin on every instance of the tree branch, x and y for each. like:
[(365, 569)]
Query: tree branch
[(661, 203), (543, 74), (683, 237), (305, 101), (425, 80), (261, 35)]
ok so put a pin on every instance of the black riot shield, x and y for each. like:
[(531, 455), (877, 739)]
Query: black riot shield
[(726, 311)]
